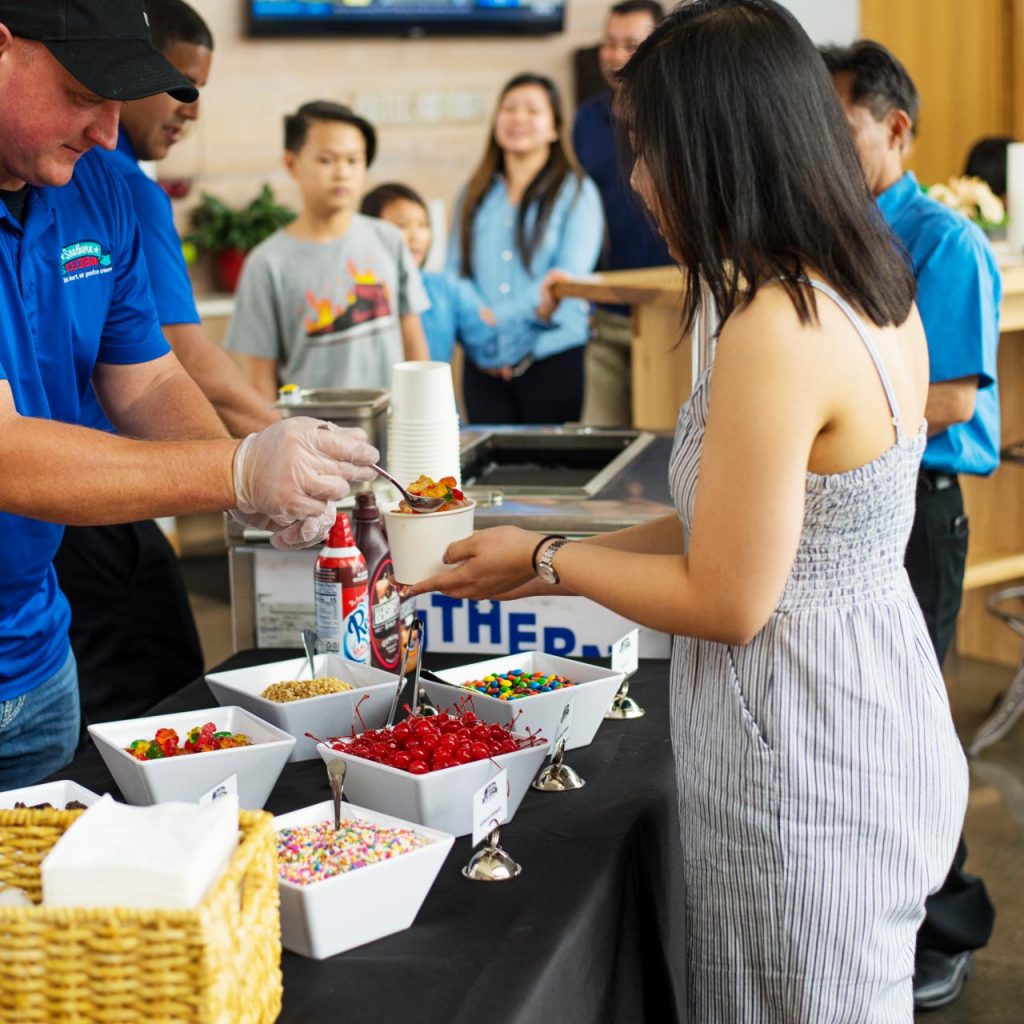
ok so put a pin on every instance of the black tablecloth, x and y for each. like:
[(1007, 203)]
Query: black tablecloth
[(591, 932)]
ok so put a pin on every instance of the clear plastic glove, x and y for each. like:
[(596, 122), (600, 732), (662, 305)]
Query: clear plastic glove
[(304, 533), (293, 469), (256, 520)]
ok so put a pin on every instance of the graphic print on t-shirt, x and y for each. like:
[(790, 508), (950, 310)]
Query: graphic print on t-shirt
[(366, 302)]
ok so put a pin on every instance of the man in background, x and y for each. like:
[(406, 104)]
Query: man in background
[(631, 241), (132, 628), (958, 298)]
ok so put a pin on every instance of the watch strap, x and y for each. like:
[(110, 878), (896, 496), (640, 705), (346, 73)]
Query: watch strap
[(540, 544), (545, 564)]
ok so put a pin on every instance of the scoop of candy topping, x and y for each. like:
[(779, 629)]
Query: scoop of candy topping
[(198, 740), (445, 488), (312, 853)]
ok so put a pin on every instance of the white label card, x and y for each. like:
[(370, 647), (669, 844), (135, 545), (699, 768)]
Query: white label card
[(626, 653), (490, 806), (564, 725), (229, 787)]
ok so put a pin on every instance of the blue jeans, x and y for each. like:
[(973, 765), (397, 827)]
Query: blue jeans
[(39, 729)]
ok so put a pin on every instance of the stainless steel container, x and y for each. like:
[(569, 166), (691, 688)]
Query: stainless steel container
[(348, 407)]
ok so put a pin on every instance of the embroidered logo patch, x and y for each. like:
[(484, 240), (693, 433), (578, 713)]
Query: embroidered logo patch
[(84, 259)]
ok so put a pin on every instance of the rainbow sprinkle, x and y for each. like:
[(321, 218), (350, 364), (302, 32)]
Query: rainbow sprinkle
[(313, 853)]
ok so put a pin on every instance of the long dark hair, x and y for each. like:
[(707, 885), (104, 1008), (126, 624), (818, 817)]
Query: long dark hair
[(754, 172), (541, 192)]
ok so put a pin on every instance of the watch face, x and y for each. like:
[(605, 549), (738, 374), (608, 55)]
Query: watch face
[(547, 574)]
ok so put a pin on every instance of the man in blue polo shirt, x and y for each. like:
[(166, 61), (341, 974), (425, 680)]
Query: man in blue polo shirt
[(76, 315), (958, 294), (632, 241), (132, 628)]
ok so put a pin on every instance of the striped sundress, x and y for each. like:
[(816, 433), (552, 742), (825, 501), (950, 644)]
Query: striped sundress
[(821, 783)]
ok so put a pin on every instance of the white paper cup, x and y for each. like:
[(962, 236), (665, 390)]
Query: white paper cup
[(418, 541), (424, 434), (422, 392)]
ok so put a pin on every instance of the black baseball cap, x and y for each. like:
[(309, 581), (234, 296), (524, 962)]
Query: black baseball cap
[(105, 44)]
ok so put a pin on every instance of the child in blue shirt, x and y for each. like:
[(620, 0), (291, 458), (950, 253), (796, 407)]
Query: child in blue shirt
[(450, 304)]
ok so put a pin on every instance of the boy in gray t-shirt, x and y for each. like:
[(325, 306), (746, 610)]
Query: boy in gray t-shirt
[(333, 300)]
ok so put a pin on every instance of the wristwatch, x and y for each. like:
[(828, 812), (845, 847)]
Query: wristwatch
[(545, 570)]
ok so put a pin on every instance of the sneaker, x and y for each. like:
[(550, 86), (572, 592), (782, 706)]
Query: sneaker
[(939, 978)]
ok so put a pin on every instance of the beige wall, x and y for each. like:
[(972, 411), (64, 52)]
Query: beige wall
[(236, 143), (432, 98)]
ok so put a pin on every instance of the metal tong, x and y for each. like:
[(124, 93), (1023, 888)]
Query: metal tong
[(415, 643)]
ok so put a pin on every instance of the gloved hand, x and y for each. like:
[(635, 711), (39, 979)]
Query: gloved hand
[(291, 470), (256, 520), (304, 533)]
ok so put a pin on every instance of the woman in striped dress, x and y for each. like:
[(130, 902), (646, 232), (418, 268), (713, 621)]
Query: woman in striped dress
[(821, 783)]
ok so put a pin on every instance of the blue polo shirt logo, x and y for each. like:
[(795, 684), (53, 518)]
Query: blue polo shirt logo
[(84, 259)]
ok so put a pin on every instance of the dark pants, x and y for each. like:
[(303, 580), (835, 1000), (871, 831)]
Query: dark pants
[(960, 915), (551, 391), (132, 629)]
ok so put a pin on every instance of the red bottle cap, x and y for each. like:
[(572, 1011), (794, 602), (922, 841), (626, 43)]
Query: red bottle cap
[(341, 533)]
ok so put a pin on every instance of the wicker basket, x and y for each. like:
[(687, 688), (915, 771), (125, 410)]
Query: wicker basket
[(217, 964)]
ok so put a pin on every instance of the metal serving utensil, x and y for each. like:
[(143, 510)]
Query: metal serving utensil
[(415, 641), (336, 775), (422, 705), (309, 642), (415, 501)]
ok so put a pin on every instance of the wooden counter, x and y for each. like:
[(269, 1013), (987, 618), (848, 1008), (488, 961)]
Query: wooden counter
[(662, 374)]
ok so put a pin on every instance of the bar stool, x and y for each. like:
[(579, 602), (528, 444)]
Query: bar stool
[(1001, 604)]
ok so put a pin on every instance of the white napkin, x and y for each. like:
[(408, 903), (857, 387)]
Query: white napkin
[(165, 856)]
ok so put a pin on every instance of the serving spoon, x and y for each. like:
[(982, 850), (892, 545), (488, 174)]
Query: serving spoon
[(336, 775), (416, 501), (309, 642)]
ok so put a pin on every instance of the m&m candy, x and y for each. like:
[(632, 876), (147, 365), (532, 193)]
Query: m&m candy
[(517, 684)]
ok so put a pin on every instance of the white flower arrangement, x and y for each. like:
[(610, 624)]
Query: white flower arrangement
[(973, 198)]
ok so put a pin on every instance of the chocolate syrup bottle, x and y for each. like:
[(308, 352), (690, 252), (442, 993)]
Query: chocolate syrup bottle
[(385, 603)]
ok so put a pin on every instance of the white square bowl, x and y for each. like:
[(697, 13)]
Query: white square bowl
[(188, 777), (57, 793), (591, 696), (441, 800), (330, 916), (333, 714)]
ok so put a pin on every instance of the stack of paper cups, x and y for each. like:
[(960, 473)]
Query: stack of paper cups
[(423, 434), (1015, 196)]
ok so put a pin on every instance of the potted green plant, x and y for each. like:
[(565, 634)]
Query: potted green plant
[(229, 234)]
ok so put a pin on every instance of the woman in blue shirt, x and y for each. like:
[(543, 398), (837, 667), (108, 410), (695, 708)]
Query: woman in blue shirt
[(527, 210)]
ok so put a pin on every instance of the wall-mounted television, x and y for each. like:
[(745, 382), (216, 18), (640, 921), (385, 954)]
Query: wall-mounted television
[(405, 17)]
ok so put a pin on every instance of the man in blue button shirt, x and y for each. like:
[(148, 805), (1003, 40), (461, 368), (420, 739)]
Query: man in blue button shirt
[(958, 299), (631, 241), (132, 628), (77, 315)]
